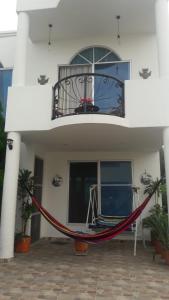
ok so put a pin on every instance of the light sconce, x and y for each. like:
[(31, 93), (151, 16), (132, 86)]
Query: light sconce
[(50, 32), (57, 181), (9, 144), (146, 178), (118, 28)]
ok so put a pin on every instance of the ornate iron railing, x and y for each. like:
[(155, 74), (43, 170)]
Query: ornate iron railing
[(88, 93)]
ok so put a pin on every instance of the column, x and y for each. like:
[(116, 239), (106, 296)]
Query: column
[(9, 196), (19, 73), (162, 32)]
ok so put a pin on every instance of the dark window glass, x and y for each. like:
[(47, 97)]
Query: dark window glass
[(99, 55), (78, 60), (110, 57), (88, 53), (5, 82), (116, 188), (82, 176)]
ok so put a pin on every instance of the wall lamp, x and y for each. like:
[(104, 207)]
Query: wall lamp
[(9, 144), (57, 181)]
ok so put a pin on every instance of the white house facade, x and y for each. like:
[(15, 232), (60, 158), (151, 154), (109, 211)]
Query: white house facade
[(89, 103)]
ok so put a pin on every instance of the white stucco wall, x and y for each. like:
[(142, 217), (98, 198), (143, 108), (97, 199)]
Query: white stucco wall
[(146, 105), (141, 50), (56, 200)]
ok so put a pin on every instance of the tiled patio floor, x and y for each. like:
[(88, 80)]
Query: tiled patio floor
[(110, 271)]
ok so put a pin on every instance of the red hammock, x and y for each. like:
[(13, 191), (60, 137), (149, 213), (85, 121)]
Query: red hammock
[(104, 235)]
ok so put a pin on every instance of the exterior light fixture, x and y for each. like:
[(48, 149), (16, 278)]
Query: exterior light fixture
[(50, 31), (57, 181), (146, 178), (9, 144), (118, 28)]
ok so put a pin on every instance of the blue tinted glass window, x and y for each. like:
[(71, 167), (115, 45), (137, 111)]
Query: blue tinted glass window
[(116, 200), (5, 82), (110, 57), (118, 70), (116, 172), (116, 188), (78, 60), (95, 54), (108, 96), (100, 52), (88, 54)]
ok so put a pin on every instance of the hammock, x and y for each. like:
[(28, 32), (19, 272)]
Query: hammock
[(104, 235)]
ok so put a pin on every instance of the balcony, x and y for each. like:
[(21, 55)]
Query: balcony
[(88, 93)]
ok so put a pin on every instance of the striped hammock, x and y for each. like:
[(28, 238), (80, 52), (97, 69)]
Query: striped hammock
[(104, 235)]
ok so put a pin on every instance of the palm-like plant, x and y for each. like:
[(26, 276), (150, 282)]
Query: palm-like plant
[(157, 221), (25, 181)]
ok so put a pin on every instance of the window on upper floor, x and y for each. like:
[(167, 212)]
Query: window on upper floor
[(107, 94), (103, 60), (5, 82)]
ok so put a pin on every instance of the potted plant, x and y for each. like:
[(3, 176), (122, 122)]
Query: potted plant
[(153, 221), (25, 179), (81, 248), (157, 221)]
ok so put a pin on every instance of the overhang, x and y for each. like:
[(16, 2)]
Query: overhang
[(80, 19)]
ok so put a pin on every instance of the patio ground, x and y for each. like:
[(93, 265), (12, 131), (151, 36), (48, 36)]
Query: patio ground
[(108, 272)]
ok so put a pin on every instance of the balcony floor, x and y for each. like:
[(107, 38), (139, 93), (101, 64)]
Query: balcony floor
[(109, 272)]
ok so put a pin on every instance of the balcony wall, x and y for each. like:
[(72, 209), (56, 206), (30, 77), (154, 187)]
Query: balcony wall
[(146, 105)]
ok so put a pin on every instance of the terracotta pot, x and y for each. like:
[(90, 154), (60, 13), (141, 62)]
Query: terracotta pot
[(81, 248), (158, 247), (22, 244), (165, 255)]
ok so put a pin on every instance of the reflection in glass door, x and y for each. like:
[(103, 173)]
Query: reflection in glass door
[(116, 188)]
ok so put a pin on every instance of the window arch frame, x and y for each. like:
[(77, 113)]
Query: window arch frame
[(110, 51)]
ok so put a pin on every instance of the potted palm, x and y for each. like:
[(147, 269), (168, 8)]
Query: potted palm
[(25, 180)]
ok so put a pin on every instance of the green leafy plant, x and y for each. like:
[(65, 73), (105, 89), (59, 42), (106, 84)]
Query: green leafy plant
[(25, 181), (157, 221)]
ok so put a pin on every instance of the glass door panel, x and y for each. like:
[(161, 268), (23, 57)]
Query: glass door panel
[(82, 176), (116, 188), (108, 94)]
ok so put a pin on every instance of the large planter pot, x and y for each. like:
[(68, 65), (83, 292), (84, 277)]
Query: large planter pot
[(22, 244), (158, 246), (165, 255), (81, 248)]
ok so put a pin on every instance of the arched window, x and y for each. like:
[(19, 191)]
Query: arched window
[(97, 60), (94, 55), (101, 61)]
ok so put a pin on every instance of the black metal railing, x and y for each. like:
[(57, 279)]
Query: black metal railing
[(88, 93)]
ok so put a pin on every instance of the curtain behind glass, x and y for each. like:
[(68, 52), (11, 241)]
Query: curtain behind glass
[(72, 91)]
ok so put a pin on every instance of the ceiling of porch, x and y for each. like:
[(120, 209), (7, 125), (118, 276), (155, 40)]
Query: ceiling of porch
[(96, 137), (79, 18)]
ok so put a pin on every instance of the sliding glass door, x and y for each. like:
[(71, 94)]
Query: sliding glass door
[(116, 188)]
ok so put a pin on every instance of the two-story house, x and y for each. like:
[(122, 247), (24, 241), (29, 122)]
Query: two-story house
[(88, 103)]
